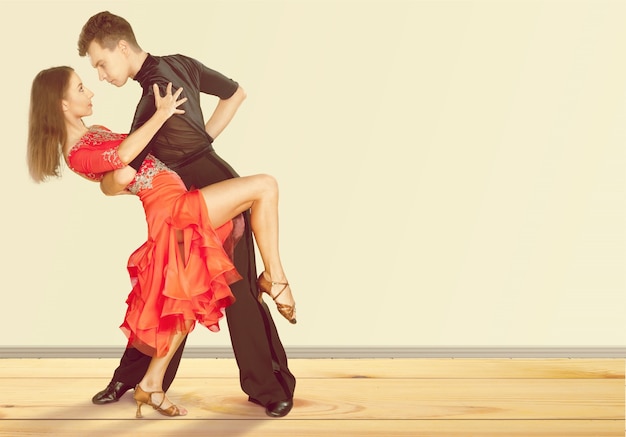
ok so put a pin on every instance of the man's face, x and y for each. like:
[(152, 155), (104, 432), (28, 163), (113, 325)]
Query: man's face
[(112, 65)]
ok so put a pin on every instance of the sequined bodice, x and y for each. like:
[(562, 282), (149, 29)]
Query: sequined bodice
[(96, 154), (98, 144), (148, 170)]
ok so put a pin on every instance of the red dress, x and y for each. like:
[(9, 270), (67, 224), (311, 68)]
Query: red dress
[(170, 290)]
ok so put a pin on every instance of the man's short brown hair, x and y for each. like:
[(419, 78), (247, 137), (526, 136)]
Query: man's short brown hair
[(107, 30)]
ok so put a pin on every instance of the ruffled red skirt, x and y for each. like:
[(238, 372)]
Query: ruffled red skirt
[(181, 274)]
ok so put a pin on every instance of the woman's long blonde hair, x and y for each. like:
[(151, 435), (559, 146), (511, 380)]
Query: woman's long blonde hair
[(46, 125)]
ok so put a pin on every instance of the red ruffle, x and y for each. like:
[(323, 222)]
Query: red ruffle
[(172, 290)]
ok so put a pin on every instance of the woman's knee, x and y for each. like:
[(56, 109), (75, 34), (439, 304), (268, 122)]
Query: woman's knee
[(269, 183)]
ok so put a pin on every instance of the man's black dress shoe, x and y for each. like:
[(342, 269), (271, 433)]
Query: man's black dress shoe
[(276, 409), (113, 393)]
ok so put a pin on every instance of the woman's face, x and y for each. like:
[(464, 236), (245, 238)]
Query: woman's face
[(77, 100)]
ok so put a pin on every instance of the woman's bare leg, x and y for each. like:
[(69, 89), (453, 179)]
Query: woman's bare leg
[(259, 193), (153, 379), (225, 200)]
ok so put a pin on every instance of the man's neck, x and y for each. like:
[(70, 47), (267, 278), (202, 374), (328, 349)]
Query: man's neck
[(137, 62)]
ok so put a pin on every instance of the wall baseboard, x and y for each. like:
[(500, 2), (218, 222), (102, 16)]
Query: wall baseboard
[(330, 352)]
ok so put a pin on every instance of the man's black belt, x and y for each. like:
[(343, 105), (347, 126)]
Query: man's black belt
[(188, 159)]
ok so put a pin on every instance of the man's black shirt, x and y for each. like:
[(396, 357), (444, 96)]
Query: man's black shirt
[(182, 135)]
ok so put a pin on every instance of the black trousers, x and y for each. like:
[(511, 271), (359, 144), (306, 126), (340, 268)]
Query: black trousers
[(260, 355)]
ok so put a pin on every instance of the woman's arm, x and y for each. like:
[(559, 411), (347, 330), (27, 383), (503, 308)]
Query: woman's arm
[(115, 182), (113, 154)]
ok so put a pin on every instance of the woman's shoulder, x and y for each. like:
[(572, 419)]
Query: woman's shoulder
[(99, 134), (96, 137), (98, 128), (76, 142)]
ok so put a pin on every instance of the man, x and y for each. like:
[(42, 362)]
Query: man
[(185, 145)]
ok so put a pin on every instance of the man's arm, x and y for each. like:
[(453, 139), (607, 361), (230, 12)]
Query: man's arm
[(224, 113), (115, 182)]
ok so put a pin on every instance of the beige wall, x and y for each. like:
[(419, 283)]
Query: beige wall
[(452, 173)]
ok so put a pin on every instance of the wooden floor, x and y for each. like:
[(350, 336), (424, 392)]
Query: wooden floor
[(334, 397)]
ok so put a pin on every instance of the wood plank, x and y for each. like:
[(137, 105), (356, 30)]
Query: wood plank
[(311, 428), (341, 368), (356, 398), (350, 397)]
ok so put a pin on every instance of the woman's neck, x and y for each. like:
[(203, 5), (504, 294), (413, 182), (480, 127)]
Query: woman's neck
[(75, 130)]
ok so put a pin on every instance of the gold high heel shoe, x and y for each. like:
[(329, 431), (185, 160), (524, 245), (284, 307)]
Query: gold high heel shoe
[(265, 286), (144, 397)]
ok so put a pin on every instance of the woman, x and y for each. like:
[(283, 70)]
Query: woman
[(181, 274)]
